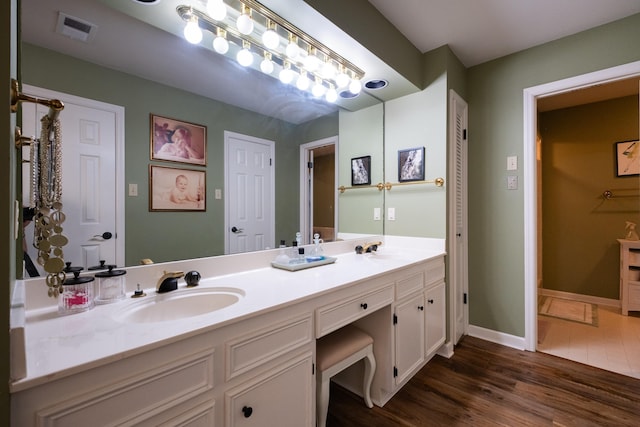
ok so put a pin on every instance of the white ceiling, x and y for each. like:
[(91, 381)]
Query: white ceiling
[(480, 30), (476, 30)]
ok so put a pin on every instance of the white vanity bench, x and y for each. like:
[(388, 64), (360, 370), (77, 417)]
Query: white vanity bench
[(251, 363)]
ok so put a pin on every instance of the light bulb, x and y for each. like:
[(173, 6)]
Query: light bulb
[(244, 57), (292, 50), (303, 81), (355, 86), (192, 31), (331, 95), (318, 89), (286, 75), (311, 62), (270, 38), (221, 45), (342, 79), (328, 71), (244, 22), (216, 9), (266, 66)]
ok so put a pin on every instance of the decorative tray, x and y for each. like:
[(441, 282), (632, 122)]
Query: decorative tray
[(304, 265)]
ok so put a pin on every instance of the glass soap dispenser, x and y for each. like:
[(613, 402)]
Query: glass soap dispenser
[(317, 253), (110, 285)]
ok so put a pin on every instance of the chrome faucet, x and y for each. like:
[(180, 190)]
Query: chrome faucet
[(368, 247), (169, 281)]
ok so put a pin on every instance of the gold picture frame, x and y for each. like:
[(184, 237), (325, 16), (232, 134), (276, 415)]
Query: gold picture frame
[(176, 189), (178, 141)]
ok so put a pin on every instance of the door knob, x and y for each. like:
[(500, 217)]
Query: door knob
[(236, 229), (105, 236)]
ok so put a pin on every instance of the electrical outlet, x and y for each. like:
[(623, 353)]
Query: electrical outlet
[(512, 182), (133, 189)]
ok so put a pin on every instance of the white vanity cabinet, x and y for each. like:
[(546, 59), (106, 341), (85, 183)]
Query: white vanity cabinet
[(629, 275), (435, 317), (409, 328)]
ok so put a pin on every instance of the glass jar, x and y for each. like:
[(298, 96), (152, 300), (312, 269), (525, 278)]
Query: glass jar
[(110, 285), (76, 295)]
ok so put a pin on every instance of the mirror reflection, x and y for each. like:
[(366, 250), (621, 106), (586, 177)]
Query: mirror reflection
[(111, 103)]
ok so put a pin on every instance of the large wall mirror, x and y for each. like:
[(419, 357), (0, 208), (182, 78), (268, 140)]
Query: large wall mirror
[(148, 70)]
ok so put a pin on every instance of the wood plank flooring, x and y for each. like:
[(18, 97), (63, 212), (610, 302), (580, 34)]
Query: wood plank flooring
[(486, 384)]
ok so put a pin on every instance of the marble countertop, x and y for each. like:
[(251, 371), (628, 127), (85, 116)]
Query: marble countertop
[(57, 346)]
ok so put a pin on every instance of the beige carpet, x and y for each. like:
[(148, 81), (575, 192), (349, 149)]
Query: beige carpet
[(574, 311)]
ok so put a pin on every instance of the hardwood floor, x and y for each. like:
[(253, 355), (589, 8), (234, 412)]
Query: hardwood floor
[(486, 384)]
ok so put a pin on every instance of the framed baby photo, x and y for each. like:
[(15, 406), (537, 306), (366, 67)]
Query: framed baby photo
[(174, 189), (411, 164), (361, 170), (628, 158), (178, 141)]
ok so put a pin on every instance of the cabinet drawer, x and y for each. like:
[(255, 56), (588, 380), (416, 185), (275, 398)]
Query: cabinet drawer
[(434, 271), (409, 285), (334, 316), (261, 346), (634, 297)]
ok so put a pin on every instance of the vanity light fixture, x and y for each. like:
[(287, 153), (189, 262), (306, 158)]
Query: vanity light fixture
[(257, 31)]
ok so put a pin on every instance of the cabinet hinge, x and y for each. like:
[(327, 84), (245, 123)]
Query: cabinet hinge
[(313, 369), (395, 372), (309, 165), (395, 319), (464, 134), (464, 298), (270, 162)]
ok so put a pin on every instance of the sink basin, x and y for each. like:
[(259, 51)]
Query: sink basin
[(179, 304)]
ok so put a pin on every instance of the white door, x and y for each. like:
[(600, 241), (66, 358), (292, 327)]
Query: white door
[(92, 176), (250, 193), (459, 284)]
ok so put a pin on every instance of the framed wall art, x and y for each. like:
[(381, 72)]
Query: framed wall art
[(627, 158), (174, 189), (361, 171), (411, 164), (178, 141)]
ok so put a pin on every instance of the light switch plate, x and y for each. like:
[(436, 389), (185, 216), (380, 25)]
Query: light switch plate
[(376, 214), (218, 194), (512, 163), (391, 214), (133, 189)]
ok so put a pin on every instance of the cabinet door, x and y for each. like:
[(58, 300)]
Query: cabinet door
[(435, 312), (409, 331), (281, 397)]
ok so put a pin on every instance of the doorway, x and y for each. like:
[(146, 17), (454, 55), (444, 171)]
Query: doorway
[(92, 177), (532, 178), (318, 178)]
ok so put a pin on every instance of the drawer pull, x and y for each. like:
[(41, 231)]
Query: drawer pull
[(421, 307), (430, 301), (364, 305), (247, 411)]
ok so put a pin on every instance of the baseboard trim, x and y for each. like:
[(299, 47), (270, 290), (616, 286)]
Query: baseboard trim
[(497, 337), (446, 350), (589, 299)]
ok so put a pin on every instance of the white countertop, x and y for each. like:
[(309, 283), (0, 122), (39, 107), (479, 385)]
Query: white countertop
[(57, 346)]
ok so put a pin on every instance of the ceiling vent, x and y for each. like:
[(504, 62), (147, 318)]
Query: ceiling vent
[(75, 28)]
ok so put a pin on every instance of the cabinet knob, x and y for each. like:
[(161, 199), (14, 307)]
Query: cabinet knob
[(364, 305), (430, 301), (247, 411), (421, 307)]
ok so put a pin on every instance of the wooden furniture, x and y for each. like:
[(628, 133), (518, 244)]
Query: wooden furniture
[(629, 275), (336, 352)]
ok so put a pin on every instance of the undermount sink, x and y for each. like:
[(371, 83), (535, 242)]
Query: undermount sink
[(180, 304)]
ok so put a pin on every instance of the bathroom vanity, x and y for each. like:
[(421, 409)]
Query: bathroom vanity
[(247, 363)]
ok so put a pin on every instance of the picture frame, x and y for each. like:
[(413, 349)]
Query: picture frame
[(411, 164), (627, 158), (176, 189), (177, 141), (361, 171)]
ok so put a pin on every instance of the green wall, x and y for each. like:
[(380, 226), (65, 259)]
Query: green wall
[(496, 215), (154, 234), (579, 227)]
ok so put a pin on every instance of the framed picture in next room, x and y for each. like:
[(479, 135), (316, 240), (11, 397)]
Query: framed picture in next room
[(627, 158), (411, 164)]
